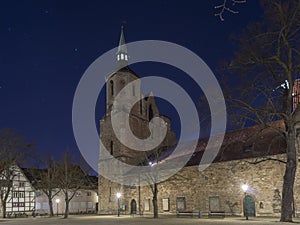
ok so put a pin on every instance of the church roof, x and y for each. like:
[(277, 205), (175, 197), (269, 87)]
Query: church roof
[(251, 142), (247, 143)]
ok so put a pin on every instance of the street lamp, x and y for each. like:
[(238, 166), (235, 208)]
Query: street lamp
[(245, 189), (118, 197), (57, 201)]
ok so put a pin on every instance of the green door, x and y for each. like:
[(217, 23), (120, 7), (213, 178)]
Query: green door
[(249, 206)]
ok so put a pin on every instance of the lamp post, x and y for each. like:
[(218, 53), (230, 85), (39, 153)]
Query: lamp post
[(245, 189), (57, 201), (118, 197)]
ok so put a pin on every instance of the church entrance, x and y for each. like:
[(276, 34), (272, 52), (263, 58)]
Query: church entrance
[(133, 207), (249, 206)]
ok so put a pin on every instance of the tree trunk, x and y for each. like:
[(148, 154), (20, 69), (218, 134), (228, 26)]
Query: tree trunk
[(50, 207), (289, 179), (4, 209), (154, 201), (67, 209)]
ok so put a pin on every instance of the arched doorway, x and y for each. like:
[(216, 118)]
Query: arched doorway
[(133, 207), (249, 206)]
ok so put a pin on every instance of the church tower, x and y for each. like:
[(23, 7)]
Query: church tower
[(140, 115)]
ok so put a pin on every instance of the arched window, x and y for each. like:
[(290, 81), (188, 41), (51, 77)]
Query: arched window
[(150, 113), (111, 88), (111, 147)]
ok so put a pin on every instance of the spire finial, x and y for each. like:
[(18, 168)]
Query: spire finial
[(123, 24)]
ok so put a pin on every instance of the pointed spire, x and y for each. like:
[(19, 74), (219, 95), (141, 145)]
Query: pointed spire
[(122, 55)]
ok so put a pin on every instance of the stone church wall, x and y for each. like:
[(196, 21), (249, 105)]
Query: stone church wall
[(218, 188)]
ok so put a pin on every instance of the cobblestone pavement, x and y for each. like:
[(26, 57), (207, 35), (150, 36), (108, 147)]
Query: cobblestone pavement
[(127, 220)]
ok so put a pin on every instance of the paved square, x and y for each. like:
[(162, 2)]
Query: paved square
[(127, 220)]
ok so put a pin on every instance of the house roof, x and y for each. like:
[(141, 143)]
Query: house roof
[(34, 177)]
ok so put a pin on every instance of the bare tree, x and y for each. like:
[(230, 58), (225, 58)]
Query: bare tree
[(227, 7), (267, 62), (70, 178), (13, 150), (46, 179), (153, 159)]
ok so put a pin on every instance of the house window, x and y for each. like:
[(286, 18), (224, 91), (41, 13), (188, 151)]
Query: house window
[(180, 203), (37, 205), (75, 205), (45, 205), (18, 194), (90, 205), (82, 205), (18, 204), (89, 193), (21, 184)]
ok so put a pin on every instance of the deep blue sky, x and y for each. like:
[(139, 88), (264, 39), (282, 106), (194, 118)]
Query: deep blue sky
[(46, 46)]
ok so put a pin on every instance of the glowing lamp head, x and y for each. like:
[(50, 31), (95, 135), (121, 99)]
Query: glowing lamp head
[(118, 195), (245, 187), (57, 200)]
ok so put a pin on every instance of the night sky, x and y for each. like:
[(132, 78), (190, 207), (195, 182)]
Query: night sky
[(46, 46)]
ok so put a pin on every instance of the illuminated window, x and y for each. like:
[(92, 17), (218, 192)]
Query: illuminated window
[(126, 57), (122, 56), (118, 56)]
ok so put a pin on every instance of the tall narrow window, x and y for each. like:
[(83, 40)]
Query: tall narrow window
[(111, 148), (150, 115), (141, 107), (133, 90), (109, 197), (111, 88)]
